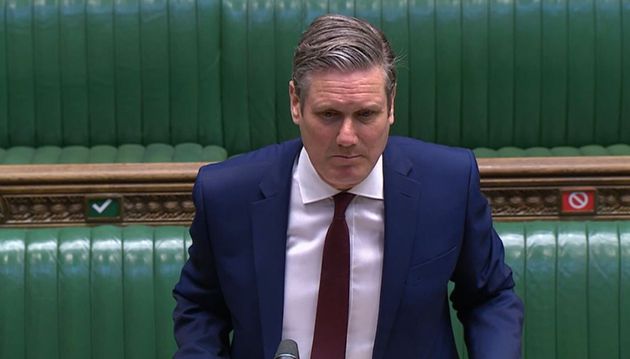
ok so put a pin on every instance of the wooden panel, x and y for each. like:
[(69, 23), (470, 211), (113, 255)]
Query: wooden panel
[(158, 193)]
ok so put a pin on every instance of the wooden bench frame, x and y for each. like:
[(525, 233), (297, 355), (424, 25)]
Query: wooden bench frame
[(159, 193)]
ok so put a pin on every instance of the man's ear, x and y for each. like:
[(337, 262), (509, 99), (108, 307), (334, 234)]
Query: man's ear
[(296, 113), (390, 115)]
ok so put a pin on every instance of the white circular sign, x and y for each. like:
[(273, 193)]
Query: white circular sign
[(578, 200)]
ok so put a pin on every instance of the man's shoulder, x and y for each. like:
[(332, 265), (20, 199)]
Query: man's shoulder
[(251, 166), (430, 154)]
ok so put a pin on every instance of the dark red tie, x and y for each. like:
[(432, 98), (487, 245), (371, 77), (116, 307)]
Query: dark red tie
[(331, 321)]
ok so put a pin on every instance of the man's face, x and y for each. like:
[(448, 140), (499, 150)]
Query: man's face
[(344, 123)]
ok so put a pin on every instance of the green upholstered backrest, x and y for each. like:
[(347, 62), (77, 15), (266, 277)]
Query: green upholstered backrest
[(101, 292), (574, 279), (105, 292), (476, 73)]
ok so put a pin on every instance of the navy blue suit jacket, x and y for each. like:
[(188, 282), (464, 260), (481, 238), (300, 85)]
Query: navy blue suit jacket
[(438, 228)]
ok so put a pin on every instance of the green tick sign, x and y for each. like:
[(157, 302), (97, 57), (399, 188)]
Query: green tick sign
[(102, 209)]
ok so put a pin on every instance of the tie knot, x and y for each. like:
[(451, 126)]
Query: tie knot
[(342, 200)]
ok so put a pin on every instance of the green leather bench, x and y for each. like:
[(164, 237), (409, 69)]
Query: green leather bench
[(486, 73), (129, 153), (564, 151), (105, 292), (192, 152), (102, 292)]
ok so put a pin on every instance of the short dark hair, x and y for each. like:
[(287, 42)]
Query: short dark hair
[(342, 43)]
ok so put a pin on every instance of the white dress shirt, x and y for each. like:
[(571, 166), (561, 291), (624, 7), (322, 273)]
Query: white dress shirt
[(310, 214)]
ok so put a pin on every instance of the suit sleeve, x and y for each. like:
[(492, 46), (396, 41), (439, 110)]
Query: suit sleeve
[(201, 317), (486, 304)]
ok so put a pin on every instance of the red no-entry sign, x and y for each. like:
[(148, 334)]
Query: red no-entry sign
[(578, 201)]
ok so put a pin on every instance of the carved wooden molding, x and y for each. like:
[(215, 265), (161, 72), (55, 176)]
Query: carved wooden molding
[(44, 195), (44, 208), (532, 188), (159, 193), (159, 207)]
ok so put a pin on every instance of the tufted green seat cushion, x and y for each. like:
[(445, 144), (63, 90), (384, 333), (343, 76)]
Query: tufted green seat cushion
[(105, 292), (589, 150), (129, 153)]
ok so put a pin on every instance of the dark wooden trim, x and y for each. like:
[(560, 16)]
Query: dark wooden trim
[(159, 193)]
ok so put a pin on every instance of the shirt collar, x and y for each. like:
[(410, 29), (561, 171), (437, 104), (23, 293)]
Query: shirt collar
[(313, 188)]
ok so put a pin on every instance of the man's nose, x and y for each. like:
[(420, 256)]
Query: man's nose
[(347, 135)]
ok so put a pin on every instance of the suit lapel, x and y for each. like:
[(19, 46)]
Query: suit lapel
[(401, 206), (269, 232)]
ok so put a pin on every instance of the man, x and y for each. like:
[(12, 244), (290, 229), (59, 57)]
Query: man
[(346, 239)]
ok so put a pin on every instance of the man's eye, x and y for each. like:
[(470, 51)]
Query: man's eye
[(329, 115), (366, 114)]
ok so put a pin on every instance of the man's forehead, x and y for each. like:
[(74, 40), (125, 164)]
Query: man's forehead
[(335, 82), (337, 73), (361, 96)]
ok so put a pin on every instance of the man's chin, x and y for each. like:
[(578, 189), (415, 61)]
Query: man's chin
[(344, 181)]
